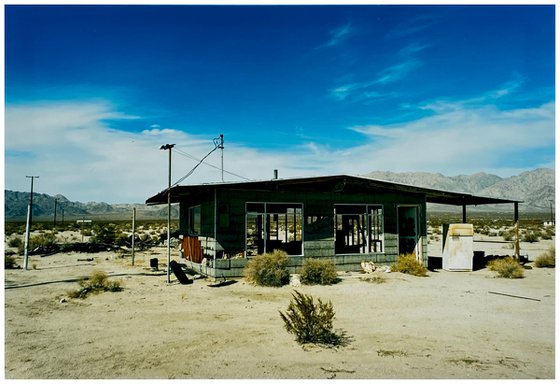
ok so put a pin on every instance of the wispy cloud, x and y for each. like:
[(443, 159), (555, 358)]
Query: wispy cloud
[(371, 89), (374, 88), (412, 49), (398, 71), (411, 27), (338, 35)]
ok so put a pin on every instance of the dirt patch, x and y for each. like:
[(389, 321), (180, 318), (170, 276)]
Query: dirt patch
[(446, 325)]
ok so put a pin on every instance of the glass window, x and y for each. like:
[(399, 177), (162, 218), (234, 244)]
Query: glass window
[(194, 220)]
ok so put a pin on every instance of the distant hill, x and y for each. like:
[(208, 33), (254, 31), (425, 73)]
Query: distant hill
[(535, 188), (16, 203)]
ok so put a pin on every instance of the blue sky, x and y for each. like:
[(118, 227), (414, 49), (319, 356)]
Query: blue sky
[(92, 92)]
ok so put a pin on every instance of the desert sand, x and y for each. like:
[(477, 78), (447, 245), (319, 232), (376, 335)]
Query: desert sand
[(447, 325)]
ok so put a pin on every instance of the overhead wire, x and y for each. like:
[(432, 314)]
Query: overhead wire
[(201, 161)]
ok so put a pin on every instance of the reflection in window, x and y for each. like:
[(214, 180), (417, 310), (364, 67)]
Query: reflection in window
[(194, 220)]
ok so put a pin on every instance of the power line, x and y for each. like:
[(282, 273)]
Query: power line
[(183, 153)]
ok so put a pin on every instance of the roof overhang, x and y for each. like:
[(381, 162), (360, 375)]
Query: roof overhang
[(331, 184)]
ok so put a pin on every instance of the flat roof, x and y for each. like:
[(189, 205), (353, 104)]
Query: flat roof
[(337, 183)]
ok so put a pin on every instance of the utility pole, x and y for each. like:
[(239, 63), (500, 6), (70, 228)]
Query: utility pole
[(29, 221), (133, 232), (221, 146), (54, 221), (165, 147)]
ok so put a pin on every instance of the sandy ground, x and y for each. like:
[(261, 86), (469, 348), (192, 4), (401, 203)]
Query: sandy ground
[(447, 325)]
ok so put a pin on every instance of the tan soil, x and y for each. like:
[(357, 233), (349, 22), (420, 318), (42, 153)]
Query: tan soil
[(446, 325)]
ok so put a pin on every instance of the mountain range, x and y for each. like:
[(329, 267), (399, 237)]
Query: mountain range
[(535, 188)]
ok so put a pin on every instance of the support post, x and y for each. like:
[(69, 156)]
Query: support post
[(221, 146), (133, 232), (54, 220), (27, 230), (168, 146), (516, 220), (28, 225), (464, 213)]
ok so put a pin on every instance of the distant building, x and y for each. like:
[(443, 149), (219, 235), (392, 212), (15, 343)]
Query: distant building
[(346, 219)]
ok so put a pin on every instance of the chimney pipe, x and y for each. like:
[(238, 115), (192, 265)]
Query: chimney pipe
[(275, 174)]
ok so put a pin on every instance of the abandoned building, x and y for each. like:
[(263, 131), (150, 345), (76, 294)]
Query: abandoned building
[(346, 219)]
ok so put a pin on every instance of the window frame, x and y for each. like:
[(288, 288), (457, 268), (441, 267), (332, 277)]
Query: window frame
[(374, 224), (265, 215)]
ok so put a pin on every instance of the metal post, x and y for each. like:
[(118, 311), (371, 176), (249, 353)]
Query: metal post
[(168, 146), (222, 148), (133, 232), (54, 221), (27, 230), (516, 219), (28, 225)]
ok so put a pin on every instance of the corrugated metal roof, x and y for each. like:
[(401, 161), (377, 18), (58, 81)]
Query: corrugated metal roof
[(337, 183)]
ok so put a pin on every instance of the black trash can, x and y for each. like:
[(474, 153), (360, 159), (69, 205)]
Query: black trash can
[(154, 264)]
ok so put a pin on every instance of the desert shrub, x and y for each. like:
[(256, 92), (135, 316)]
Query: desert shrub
[(530, 237), (409, 265), (268, 269), (547, 259), (374, 278), (546, 235), (10, 262), (507, 235), (15, 242), (96, 283), (507, 267), (104, 235), (44, 240), (310, 322), (14, 228), (316, 271)]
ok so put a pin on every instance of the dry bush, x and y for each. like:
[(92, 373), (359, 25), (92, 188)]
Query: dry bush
[(547, 259), (44, 240), (373, 278), (10, 262), (268, 269), (311, 322), (15, 242), (507, 267), (316, 271), (530, 237), (98, 282), (409, 265)]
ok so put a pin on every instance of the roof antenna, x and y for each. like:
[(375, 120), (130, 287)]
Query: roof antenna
[(219, 143)]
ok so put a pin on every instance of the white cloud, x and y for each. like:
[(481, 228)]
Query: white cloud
[(458, 140), (77, 153)]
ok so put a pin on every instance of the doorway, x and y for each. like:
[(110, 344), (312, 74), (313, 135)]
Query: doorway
[(409, 231)]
